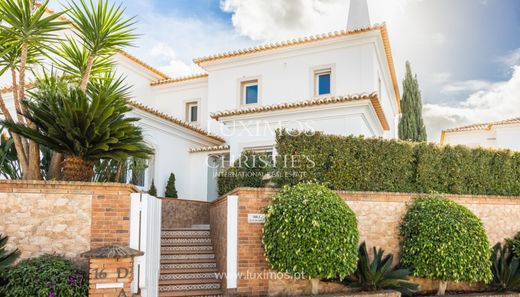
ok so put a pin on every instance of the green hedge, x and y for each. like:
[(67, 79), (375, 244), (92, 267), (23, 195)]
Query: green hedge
[(247, 171), (309, 229), (358, 164), (443, 240)]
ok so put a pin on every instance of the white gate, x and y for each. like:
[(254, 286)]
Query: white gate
[(145, 235)]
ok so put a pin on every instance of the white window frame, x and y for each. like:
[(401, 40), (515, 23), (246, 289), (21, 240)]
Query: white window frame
[(245, 82), (188, 104), (316, 72)]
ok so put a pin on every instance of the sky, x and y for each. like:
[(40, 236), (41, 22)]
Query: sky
[(466, 53)]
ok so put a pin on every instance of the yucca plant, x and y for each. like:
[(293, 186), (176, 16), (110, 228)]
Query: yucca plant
[(506, 269), (84, 126), (9, 165), (379, 274)]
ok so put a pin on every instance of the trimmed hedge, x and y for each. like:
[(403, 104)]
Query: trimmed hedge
[(358, 164), (443, 240), (309, 229)]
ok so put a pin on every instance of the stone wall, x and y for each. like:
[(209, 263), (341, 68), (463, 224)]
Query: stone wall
[(218, 223), (63, 217), (179, 213), (378, 214)]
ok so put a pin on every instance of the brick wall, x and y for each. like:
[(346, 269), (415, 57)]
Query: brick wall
[(378, 214), (179, 213), (63, 217), (218, 223)]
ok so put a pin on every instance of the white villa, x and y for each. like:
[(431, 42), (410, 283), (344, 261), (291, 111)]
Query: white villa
[(342, 82), (500, 134)]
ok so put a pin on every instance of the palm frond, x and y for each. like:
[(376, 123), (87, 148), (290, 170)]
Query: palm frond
[(102, 28)]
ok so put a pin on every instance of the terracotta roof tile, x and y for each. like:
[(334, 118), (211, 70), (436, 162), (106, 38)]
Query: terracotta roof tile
[(484, 126), (223, 147), (174, 120), (178, 79), (479, 127), (315, 38), (308, 103)]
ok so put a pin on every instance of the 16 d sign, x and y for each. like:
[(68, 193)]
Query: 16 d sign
[(121, 272)]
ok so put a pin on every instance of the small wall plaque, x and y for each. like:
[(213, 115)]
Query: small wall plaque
[(109, 285), (255, 218)]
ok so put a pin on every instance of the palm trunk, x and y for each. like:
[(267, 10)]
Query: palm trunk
[(442, 287), (77, 169), (22, 157), (19, 108), (86, 75), (33, 172)]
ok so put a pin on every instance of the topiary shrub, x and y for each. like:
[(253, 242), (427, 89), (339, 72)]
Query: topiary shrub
[(444, 241), (247, 171), (310, 230), (46, 275), (171, 191), (514, 245), (153, 190)]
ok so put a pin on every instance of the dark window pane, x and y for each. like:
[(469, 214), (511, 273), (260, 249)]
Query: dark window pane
[(323, 84), (252, 94), (194, 113)]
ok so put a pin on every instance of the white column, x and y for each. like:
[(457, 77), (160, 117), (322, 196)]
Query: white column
[(232, 241)]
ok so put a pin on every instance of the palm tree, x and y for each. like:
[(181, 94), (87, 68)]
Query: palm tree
[(103, 31), (83, 126), (26, 29)]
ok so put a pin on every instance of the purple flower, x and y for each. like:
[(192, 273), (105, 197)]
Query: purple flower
[(51, 294)]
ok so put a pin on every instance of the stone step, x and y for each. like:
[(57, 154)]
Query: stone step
[(195, 276), (200, 227), (185, 233), (188, 270), (194, 293), (185, 252), (167, 265), (198, 256), (215, 285), (164, 261), (186, 240), (190, 281), (184, 243), (186, 248)]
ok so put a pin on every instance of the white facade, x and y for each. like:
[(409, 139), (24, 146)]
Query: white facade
[(502, 134), (356, 62)]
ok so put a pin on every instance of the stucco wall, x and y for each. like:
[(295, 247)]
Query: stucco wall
[(378, 214), (65, 218)]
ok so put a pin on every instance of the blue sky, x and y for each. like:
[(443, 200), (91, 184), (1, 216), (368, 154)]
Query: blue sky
[(464, 52)]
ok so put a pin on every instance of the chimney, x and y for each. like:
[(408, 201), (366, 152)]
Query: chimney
[(358, 16)]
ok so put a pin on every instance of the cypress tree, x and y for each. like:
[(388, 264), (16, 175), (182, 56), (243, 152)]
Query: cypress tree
[(153, 189), (411, 125), (171, 191)]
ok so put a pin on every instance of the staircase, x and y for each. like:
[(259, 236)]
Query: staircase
[(188, 265)]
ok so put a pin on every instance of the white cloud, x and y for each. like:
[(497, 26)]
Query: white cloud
[(466, 86), (282, 19), (498, 101), (510, 59), (440, 77)]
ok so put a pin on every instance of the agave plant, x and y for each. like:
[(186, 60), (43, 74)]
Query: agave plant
[(7, 258), (506, 269), (379, 274), (84, 126)]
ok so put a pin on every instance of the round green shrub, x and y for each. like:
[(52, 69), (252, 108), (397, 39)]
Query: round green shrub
[(445, 241), (46, 276), (310, 230), (514, 245)]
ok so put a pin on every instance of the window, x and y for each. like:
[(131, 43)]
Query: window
[(322, 79), (192, 112), (250, 92)]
